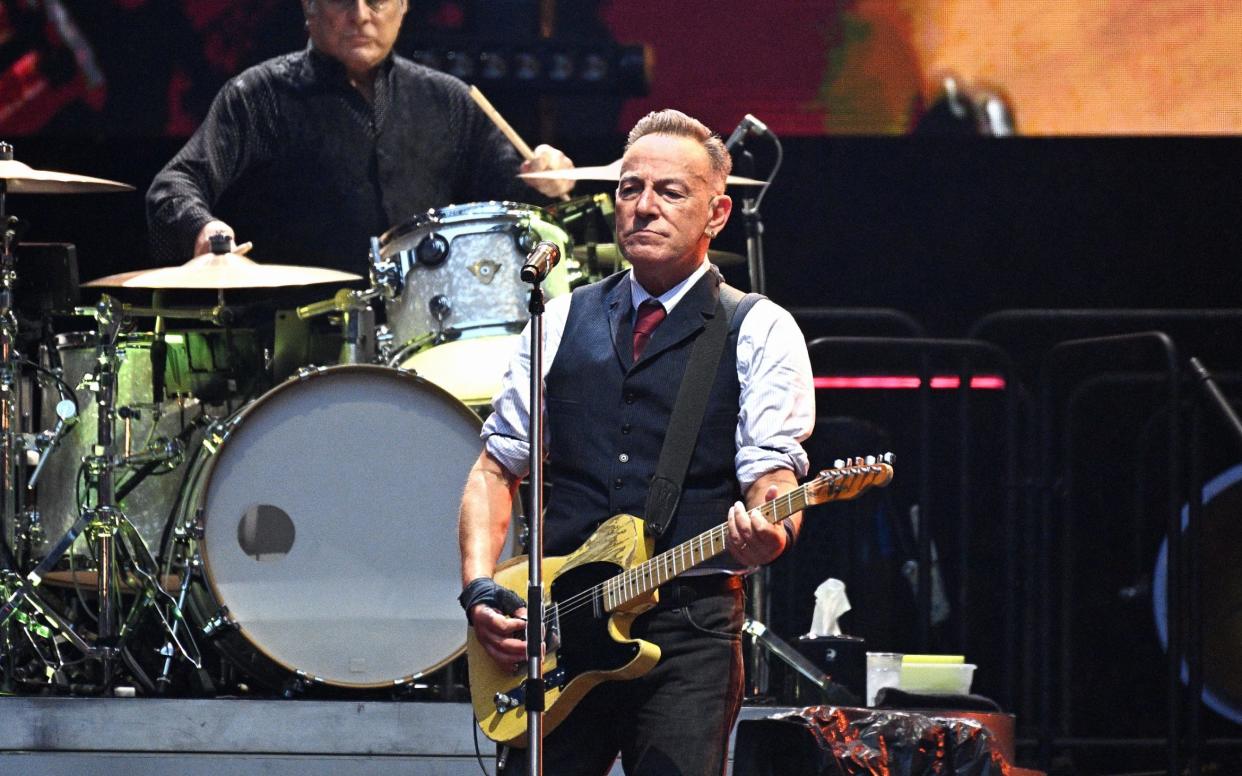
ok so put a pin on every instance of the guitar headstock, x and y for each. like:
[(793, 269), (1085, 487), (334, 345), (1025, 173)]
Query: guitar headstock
[(850, 478)]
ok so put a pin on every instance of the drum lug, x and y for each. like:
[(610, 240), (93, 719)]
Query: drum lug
[(218, 433), (432, 250), (295, 686), (196, 530), (307, 372), (299, 683), (221, 620), (524, 237)]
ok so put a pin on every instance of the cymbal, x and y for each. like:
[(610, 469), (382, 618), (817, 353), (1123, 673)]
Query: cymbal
[(21, 178), (224, 270), (609, 172), (609, 253)]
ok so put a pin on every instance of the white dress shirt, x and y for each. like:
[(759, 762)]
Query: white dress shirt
[(777, 400)]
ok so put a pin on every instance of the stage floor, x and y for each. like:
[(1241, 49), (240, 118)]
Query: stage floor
[(208, 737)]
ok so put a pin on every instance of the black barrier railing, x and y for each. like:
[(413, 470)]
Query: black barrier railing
[(899, 321), (1201, 329), (1057, 359), (965, 353)]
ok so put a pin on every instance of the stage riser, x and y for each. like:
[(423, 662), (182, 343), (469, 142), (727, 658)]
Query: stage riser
[(189, 737), (131, 764)]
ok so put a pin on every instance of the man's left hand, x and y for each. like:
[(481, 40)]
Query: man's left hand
[(752, 540), (548, 158)]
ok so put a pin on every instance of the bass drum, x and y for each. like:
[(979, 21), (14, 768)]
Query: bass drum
[(326, 521)]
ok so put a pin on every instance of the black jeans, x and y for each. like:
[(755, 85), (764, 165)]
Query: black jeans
[(673, 721)]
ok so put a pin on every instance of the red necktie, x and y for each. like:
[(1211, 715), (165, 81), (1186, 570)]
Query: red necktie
[(650, 313)]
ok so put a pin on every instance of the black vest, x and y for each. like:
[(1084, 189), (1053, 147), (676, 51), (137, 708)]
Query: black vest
[(606, 416)]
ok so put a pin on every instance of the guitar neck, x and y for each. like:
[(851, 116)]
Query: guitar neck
[(846, 481), (645, 577)]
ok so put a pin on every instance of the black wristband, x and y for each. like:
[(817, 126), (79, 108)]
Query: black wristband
[(484, 590), (791, 533)]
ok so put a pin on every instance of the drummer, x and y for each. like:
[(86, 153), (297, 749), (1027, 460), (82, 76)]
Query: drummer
[(310, 154)]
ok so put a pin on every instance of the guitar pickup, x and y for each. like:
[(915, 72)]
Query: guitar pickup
[(553, 680)]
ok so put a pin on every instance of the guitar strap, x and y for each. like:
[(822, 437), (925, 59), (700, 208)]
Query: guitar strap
[(687, 417)]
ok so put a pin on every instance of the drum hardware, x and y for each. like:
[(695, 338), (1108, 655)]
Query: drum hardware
[(358, 329), (117, 541)]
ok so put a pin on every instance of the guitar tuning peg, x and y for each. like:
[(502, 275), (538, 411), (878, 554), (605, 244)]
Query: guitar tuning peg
[(890, 459), (871, 460), (838, 464)]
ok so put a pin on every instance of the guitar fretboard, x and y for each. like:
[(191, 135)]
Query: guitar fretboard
[(828, 486)]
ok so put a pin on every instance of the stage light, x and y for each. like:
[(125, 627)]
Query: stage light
[(560, 66), (541, 66), (493, 66), (460, 64), (526, 66)]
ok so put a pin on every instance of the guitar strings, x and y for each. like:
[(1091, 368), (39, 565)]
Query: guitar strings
[(836, 481)]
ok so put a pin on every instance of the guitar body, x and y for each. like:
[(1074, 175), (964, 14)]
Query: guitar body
[(594, 646), (587, 644)]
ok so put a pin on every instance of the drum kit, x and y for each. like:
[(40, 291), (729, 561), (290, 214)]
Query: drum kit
[(179, 492)]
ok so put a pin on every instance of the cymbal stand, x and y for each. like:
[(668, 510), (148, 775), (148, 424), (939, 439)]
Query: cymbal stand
[(107, 526), (9, 490), (15, 590)]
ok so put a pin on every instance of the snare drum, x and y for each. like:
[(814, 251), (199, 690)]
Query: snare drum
[(461, 268), (327, 516)]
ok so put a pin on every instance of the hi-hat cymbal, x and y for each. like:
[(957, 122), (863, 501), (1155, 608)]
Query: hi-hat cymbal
[(19, 178), (223, 271), (609, 172), (609, 253)]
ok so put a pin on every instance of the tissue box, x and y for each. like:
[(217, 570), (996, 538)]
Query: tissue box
[(842, 658)]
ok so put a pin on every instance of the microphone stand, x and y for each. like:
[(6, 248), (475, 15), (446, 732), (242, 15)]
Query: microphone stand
[(534, 685), (754, 226), (760, 598)]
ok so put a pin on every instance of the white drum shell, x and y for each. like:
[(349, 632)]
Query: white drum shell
[(480, 278)]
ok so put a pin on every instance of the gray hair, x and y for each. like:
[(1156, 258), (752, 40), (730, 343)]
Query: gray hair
[(674, 122)]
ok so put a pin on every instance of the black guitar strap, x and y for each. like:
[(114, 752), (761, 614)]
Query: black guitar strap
[(687, 417)]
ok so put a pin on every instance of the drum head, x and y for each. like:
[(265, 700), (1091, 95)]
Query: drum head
[(330, 524), (470, 369)]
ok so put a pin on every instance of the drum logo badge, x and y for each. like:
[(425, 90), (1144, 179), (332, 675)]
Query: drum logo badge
[(485, 270)]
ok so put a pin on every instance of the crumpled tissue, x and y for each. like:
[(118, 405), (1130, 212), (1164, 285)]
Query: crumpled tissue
[(830, 604)]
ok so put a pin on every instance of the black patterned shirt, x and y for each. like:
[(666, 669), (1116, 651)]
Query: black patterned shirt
[(297, 161)]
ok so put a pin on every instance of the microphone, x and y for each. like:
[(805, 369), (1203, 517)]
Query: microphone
[(747, 126), (540, 262)]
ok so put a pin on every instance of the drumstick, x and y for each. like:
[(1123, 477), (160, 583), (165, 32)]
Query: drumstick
[(501, 124), (243, 249), (505, 129)]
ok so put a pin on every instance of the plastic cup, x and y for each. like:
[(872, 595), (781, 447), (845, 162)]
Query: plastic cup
[(883, 670)]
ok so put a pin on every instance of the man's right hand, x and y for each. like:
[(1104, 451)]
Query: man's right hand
[(503, 638), (202, 243)]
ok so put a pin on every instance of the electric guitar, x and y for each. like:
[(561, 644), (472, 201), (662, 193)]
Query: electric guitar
[(595, 593)]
